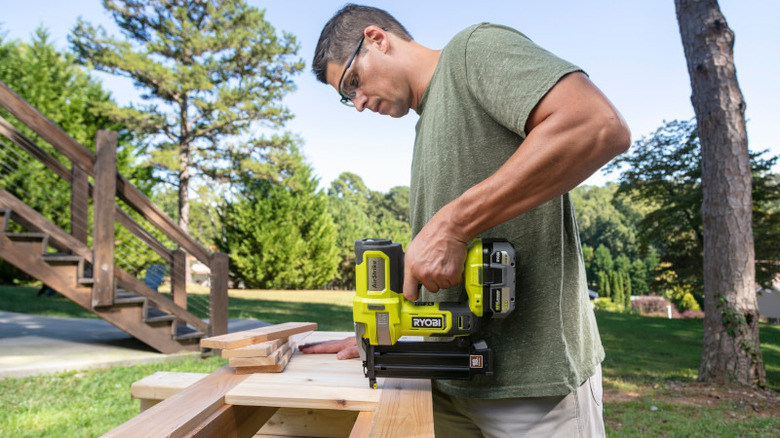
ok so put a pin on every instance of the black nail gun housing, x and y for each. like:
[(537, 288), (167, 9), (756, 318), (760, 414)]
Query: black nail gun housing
[(459, 359)]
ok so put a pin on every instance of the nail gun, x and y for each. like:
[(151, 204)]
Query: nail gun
[(385, 320)]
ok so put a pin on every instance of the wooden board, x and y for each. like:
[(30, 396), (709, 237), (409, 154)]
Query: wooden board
[(405, 409), (291, 422), (271, 359), (283, 358), (181, 413), (163, 384), (249, 337), (320, 380), (328, 392), (256, 350)]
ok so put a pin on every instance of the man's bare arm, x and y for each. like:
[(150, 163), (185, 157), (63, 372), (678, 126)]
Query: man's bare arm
[(572, 132)]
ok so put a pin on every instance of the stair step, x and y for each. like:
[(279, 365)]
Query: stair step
[(124, 297), (86, 281), (61, 259), (28, 237), (157, 316), (184, 333)]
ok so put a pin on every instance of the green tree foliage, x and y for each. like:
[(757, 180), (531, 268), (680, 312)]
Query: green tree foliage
[(616, 280), (587, 256), (602, 221), (664, 170), (602, 259), (604, 286), (363, 213), (609, 224), (211, 71), (60, 90), (279, 235), (639, 274), (627, 290)]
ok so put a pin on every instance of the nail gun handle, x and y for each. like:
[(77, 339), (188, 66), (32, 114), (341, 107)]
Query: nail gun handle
[(384, 265)]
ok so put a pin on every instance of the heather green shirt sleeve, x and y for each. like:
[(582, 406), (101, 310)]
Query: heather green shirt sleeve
[(472, 119), (508, 75)]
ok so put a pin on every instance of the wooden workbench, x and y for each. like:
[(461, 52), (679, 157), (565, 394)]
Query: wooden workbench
[(317, 395)]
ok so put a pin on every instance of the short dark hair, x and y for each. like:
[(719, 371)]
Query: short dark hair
[(342, 32)]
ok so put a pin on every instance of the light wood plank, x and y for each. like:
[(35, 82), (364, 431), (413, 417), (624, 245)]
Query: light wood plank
[(163, 384), (181, 413), (309, 423), (256, 350), (275, 357), (405, 409), (285, 422), (320, 380), (284, 358), (313, 396), (249, 337), (362, 426)]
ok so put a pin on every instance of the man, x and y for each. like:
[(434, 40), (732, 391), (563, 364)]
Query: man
[(506, 129)]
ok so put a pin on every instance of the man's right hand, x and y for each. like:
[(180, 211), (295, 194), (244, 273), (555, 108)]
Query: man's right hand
[(344, 348)]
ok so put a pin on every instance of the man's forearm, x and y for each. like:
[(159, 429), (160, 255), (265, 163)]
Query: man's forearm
[(564, 147)]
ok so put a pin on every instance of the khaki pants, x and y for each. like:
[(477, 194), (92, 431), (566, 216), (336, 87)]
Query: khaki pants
[(578, 414)]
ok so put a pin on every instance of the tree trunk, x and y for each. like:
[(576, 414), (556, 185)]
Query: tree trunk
[(731, 350)]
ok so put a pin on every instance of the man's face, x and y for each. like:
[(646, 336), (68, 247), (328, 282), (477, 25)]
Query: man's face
[(371, 78)]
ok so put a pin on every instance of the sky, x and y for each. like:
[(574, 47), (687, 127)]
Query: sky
[(630, 49)]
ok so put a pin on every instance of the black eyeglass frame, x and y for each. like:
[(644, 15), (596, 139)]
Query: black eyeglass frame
[(346, 99)]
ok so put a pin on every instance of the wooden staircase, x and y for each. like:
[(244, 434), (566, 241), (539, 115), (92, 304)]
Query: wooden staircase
[(64, 262)]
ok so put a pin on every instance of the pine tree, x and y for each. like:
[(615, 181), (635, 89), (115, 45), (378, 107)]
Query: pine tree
[(731, 349), (211, 72)]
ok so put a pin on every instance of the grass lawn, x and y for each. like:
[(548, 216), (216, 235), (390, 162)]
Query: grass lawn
[(651, 390), (649, 373)]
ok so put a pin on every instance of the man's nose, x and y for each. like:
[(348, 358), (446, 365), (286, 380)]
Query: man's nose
[(360, 101)]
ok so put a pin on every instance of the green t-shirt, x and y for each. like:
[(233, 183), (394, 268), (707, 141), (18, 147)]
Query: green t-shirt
[(472, 118)]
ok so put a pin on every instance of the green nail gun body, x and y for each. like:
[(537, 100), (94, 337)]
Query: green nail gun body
[(383, 316)]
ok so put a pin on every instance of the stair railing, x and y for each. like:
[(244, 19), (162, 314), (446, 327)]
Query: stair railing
[(109, 185)]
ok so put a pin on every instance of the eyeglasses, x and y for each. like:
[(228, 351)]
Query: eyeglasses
[(348, 94)]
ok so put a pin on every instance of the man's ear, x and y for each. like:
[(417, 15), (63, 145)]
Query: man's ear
[(377, 37)]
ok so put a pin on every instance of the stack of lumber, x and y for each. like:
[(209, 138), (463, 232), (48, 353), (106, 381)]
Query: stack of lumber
[(262, 350)]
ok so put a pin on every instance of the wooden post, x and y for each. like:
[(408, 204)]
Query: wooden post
[(103, 236), (218, 299), (179, 279), (79, 204)]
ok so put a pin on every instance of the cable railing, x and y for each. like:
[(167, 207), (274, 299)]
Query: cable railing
[(83, 194)]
